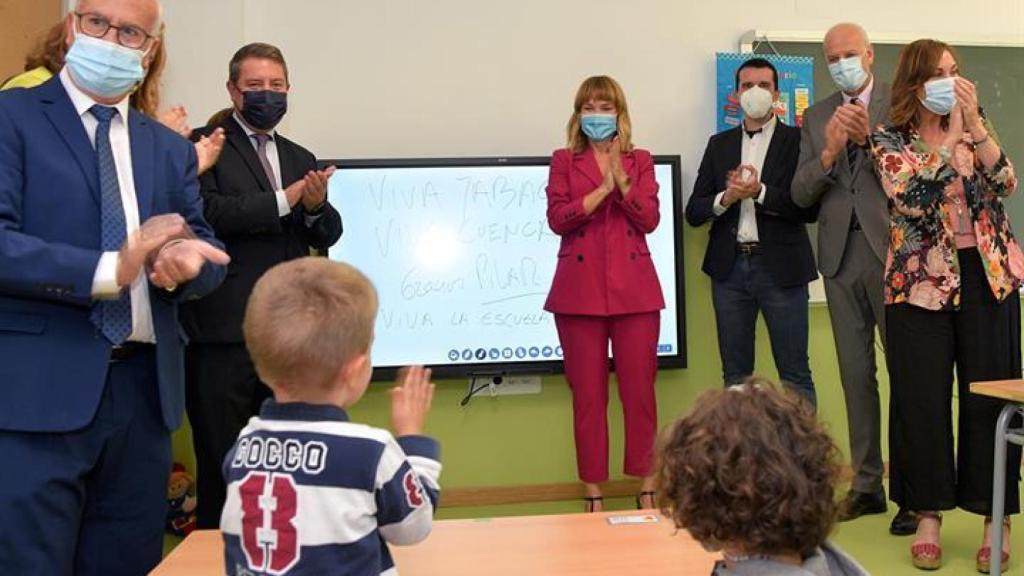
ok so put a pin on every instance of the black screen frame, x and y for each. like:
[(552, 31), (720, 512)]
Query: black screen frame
[(503, 368)]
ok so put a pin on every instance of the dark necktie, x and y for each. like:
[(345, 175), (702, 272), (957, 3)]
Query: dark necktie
[(261, 151), (852, 148), (851, 153), (751, 133), (112, 317)]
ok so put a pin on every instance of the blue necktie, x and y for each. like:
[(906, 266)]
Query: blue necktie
[(112, 317)]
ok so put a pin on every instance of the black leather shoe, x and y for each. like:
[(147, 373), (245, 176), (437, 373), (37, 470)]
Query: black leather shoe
[(857, 504), (904, 523)]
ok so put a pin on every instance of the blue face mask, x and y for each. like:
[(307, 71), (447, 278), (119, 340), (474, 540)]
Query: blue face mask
[(105, 69), (940, 95), (599, 127), (848, 74)]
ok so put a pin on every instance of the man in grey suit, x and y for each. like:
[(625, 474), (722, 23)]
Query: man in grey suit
[(835, 170)]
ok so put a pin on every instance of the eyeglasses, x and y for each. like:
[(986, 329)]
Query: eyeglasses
[(97, 26)]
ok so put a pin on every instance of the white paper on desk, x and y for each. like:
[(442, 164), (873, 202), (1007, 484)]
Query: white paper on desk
[(634, 519)]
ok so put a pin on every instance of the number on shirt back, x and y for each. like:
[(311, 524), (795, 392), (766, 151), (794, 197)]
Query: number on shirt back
[(269, 538)]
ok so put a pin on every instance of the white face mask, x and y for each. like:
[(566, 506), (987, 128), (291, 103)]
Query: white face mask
[(756, 102)]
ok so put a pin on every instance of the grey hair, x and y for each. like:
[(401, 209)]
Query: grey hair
[(69, 6)]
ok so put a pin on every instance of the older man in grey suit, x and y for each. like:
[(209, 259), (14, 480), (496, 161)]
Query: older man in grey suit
[(835, 170)]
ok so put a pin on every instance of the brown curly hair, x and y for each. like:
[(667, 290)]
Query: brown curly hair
[(750, 467)]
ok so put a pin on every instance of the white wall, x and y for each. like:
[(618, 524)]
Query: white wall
[(407, 78)]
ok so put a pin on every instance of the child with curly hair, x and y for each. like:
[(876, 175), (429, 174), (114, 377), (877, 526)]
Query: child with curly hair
[(752, 473)]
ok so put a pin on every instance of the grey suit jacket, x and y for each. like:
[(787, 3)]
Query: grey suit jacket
[(845, 189)]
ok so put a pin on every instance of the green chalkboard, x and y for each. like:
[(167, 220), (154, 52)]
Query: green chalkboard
[(998, 71)]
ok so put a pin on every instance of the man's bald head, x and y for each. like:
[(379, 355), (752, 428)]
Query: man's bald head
[(845, 37), (849, 40)]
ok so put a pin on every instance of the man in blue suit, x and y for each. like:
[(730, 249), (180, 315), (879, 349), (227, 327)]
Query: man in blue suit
[(101, 237)]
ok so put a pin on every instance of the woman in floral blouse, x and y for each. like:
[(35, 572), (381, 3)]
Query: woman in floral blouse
[(951, 281)]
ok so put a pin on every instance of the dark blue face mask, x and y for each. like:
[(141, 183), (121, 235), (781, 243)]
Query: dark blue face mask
[(263, 109)]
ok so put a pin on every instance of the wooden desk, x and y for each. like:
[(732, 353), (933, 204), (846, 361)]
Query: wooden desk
[(1013, 392), (567, 544)]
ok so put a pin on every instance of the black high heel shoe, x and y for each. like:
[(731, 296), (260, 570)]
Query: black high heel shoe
[(590, 501), (641, 495)]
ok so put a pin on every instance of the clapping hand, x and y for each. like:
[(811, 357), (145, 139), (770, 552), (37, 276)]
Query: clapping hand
[(854, 120), (836, 135), (176, 118), (967, 102), (955, 130), (741, 183), (314, 193), (615, 166), (208, 149), (142, 244), (410, 400), (182, 260), (608, 180)]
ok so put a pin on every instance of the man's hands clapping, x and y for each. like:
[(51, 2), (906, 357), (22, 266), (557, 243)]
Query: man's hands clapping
[(168, 246), (742, 183), (311, 190)]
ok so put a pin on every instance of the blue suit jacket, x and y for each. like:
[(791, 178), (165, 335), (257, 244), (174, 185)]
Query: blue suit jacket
[(53, 360)]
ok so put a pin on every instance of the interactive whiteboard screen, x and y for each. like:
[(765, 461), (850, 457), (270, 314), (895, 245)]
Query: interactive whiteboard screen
[(462, 258)]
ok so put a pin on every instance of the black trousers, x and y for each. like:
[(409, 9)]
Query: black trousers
[(222, 392), (982, 341)]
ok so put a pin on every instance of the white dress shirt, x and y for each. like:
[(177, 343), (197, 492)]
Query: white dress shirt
[(283, 208), (104, 281), (754, 150)]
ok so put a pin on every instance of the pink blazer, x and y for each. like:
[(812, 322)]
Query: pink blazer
[(604, 265)]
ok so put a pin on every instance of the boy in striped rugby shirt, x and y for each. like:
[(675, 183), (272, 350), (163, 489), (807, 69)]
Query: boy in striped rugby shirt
[(308, 491)]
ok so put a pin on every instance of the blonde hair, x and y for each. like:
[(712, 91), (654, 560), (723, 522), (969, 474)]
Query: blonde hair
[(306, 319), (599, 88)]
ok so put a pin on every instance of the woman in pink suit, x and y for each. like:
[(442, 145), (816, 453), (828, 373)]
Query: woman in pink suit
[(603, 201)]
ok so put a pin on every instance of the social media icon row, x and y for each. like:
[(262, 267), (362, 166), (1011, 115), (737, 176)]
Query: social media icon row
[(521, 352)]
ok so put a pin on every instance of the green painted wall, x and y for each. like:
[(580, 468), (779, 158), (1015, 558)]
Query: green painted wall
[(511, 440)]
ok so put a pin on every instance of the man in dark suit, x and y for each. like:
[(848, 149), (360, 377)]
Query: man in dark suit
[(267, 201), (759, 256), (836, 174), (101, 236)]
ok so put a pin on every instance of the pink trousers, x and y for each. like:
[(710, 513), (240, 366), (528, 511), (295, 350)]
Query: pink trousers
[(634, 339)]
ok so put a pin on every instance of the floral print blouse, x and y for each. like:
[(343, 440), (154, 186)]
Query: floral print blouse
[(922, 267)]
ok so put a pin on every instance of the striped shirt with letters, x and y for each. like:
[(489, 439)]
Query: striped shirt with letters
[(311, 493)]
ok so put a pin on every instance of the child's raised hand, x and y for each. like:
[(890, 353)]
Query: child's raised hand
[(410, 400)]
